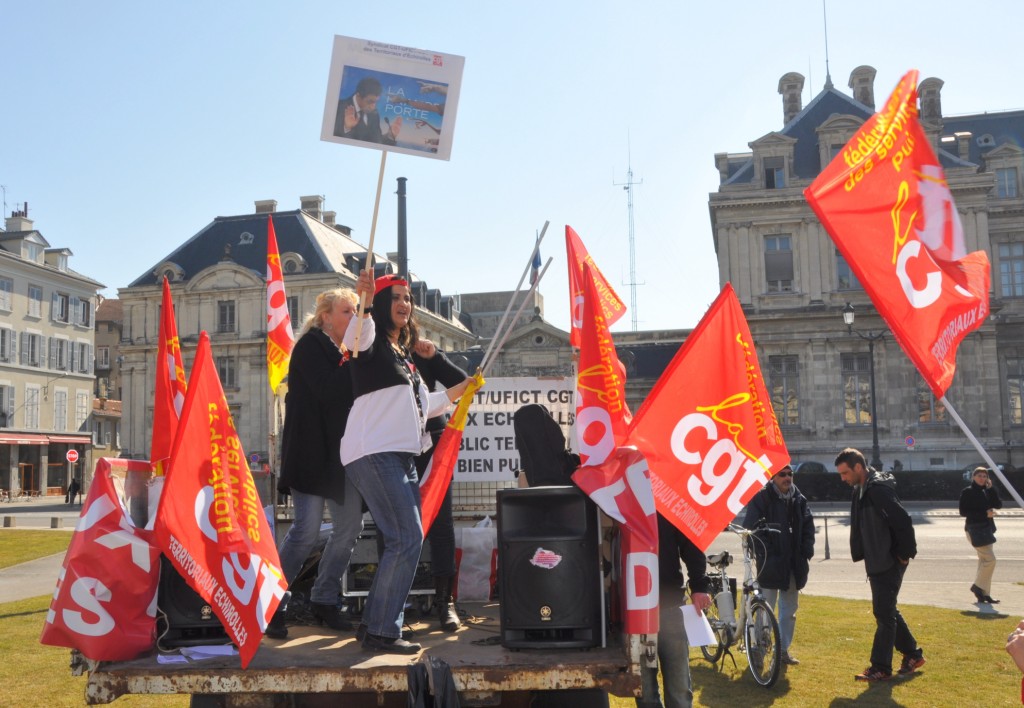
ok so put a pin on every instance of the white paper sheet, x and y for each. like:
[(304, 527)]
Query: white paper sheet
[(698, 629)]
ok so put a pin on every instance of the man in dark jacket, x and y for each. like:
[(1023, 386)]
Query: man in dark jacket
[(882, 535), (782, 557), (978, 504), (673, 647)]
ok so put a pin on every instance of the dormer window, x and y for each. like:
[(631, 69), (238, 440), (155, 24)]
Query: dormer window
[(62, 261), (1006, 182), (774, 172), (32, 251)]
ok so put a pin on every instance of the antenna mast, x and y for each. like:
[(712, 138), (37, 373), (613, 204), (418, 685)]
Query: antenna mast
[(828, 74), (628, 187)]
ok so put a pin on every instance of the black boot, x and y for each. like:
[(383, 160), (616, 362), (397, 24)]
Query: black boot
[(331, 615), (978, 593), (445, 604)]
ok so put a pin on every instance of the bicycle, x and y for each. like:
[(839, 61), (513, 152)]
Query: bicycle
[(761, 641)]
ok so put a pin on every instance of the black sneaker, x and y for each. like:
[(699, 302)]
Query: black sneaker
[(331, 615), (389, 645), (361, 633), (873, 674), (911, 664)]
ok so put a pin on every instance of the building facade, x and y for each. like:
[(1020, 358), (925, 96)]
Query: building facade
[(218, 284), (794, 286), (47, 312)]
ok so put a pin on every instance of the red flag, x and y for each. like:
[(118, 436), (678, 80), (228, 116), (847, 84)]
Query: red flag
[(707, 428), (602, 416), (612, 308), (104, 604), (885, 202), (438, 475), (621, 486), (280, 338), (169, 395), (210, 523)]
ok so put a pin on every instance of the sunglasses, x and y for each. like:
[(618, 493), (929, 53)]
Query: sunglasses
[(784, 474)]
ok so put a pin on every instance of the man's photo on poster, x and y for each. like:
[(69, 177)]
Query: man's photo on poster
[(390, 109)]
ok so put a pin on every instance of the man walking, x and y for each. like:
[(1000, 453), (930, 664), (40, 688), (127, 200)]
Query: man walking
[(882, 535), (782, 557)]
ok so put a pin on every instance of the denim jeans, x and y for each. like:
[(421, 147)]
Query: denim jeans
[(789, 601), (388, 483), (891, 629), (346, 523), (673, 655)]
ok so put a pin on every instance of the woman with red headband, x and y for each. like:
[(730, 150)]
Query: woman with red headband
[(386, 431)]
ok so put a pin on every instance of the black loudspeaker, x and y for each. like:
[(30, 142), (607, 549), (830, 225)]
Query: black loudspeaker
[(549, 569), (184, 618)]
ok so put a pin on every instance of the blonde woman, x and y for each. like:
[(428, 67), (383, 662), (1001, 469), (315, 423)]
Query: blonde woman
[(316, 411)]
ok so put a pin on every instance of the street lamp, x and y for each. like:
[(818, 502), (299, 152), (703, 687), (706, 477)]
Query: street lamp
[(870, 338)]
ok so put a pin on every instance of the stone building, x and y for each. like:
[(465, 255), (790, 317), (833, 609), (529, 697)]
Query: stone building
[(46, 362), (218, 283), (794, 285)]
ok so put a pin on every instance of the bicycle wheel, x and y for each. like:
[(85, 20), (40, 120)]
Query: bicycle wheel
[(762, 645), (718, 625)]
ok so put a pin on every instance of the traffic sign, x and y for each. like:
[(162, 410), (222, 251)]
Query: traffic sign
[(72, 455)]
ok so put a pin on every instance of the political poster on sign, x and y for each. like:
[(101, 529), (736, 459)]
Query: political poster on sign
[(392, 98), (488, 451)]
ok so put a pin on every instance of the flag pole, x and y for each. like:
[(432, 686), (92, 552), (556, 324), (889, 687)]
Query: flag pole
[(501, 323), (508, 330), (977, 445), (363, 299)]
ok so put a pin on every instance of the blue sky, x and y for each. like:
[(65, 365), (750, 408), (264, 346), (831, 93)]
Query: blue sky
[(129, 126)]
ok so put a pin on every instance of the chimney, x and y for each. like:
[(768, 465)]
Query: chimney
[(791, 87), (312, 205), (862, 81), (18, 220), (329, 217), (963, 145), (266, 206), (930, 93)]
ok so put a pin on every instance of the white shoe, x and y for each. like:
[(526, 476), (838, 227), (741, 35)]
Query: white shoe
[(789, 660)]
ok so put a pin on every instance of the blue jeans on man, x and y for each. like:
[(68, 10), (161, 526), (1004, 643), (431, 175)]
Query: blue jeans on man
[(388, 483), (346, 524), (788, 602)]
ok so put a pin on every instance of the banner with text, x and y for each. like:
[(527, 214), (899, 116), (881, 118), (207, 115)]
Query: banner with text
[(488, 451), (707, 428)]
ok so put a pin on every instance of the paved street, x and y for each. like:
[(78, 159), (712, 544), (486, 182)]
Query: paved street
[(940, 575)]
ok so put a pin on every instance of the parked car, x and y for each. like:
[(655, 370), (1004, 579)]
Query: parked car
[(809, 467)]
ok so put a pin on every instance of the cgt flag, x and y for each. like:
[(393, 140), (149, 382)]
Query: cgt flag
[(169, 395), (621, 486), (612, 308), (707, 428), (280, 338), (602, 416), (438, 475), (210, 522), (885, 202), (105, 601)]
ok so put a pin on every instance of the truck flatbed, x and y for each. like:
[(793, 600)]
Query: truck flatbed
[(314, 661)]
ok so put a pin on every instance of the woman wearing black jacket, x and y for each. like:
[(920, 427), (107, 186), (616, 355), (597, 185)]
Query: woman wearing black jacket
[(978, 503), (316, 411)]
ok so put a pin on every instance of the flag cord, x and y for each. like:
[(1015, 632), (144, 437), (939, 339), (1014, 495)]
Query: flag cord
[(508, 330), (363, 300), (974, 441), (533, 254)]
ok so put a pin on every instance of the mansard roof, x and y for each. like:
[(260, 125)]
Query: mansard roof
[(803, 128), (988, 131), (243, 240)]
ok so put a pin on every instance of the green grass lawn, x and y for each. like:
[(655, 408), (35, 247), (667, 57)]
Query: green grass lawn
[(966, 663), (20, 545)]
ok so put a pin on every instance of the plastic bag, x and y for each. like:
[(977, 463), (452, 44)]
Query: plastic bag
[(477, 558)]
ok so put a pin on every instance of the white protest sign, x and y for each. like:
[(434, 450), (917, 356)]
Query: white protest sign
[(392, 98), (488, 451)]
